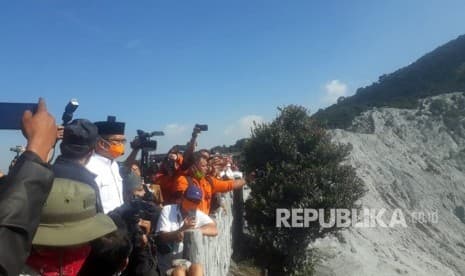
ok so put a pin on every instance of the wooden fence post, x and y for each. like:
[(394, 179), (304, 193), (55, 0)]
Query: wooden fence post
[(193, 246)]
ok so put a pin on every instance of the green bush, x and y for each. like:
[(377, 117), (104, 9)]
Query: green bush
[(302, 169)]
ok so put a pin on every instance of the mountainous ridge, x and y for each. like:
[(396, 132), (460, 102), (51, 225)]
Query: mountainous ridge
[(442, 70)]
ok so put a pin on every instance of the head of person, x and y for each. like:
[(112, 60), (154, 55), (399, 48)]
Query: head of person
[(191, 198), (132, 187), (205, 153), (79, 139), (112, 141), (200, 168), (69, 222), (136, 169), (172, 162)]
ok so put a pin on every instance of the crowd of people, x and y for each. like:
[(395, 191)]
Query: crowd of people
[(88, 214)]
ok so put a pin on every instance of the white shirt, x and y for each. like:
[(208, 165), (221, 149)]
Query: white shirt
[(108, 180), (230, 174), (171, 220)]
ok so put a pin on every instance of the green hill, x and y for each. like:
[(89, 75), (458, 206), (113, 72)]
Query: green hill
[(438, 72)]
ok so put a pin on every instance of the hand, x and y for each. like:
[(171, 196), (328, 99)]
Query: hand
[(60, 132), (144, 240), (195, 132), (136, 143), (40, 130), (145, 225), (189, 223), (179, 236)]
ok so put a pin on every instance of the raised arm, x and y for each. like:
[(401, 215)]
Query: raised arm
[(25, 191)]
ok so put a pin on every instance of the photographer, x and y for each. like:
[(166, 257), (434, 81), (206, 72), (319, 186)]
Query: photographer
[(170, 169), (136, 218), (189, 153), (174, 165), (142, 169)]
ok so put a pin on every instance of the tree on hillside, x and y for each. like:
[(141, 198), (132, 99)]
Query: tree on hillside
[(438, 72), (237, 147), (301, 168)]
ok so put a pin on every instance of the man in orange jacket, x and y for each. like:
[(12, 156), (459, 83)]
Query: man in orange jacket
[(197, 175)]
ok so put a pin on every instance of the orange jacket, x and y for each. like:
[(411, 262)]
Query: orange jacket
[(208, 189), (168, 188)]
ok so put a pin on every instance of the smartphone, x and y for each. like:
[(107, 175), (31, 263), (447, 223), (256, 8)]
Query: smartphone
[(192, 213), (11, 114)]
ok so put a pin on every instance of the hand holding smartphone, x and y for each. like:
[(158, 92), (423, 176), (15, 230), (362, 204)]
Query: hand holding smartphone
[(191, 214), (11, 114)]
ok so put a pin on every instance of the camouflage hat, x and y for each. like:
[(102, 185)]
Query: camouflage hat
[(70, 217)]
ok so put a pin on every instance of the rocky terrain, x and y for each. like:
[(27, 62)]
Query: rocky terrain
[(412, 160)]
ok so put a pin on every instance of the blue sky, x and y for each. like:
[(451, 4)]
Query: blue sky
[(166, 65)]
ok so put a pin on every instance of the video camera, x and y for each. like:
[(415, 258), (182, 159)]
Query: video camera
[(146, 145), (132, 212), (145, 142), (201, 127), (18, 150)]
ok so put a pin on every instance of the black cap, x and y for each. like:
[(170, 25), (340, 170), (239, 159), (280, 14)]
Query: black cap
[(110, 126), (79, 137)]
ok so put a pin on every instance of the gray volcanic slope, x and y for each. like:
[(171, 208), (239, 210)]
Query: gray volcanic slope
[(412, 160)]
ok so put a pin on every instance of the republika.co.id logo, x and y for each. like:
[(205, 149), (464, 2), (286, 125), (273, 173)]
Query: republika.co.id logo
[(364, 218)]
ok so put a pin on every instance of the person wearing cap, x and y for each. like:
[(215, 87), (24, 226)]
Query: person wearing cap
[(177, 218), (77, 146), (109, 146), (69, 221)]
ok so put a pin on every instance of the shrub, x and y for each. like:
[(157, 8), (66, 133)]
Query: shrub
[(302, 169)]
